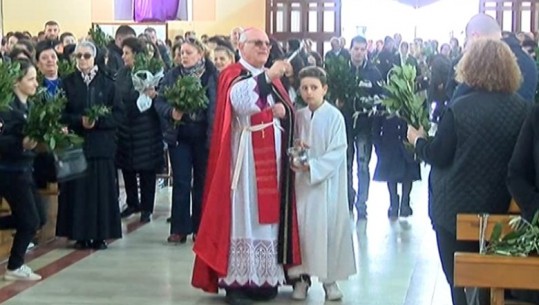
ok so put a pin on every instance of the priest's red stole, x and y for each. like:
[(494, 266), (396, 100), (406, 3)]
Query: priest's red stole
[(266, 168)]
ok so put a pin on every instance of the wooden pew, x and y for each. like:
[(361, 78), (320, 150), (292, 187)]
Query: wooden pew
[(46, 234), (6, 236), (491, 271)]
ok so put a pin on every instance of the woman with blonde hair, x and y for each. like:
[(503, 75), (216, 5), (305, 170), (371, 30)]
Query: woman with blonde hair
[(188, 141), (470, 153)]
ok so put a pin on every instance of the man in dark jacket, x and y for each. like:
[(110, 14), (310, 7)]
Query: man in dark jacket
[(484, 26), (359, 125), (388, 58), (115, 48)]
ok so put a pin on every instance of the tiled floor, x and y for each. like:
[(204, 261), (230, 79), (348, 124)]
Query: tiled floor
[(398, 265)]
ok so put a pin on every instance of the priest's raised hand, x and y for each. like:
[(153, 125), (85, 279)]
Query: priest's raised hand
[(278, 70)]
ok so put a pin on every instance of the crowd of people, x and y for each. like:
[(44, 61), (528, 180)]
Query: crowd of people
[(263, 184)]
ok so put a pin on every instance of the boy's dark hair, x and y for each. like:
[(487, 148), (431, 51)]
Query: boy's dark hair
[(314, 72)]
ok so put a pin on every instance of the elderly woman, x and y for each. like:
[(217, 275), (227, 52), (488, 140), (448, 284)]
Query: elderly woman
[(88, 210), (470, 153), (140, 141), (188, 141)]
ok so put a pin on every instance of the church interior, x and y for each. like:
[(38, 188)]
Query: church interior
[(397, 258)]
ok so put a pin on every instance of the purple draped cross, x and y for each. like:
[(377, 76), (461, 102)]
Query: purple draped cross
[(156, 10)]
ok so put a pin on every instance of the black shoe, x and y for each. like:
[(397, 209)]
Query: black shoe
[(130, 210), (82, 245), (169, 219), (177, 239), (261, 294), (406, 211), (145, 217), (237, 297), (99, 245)]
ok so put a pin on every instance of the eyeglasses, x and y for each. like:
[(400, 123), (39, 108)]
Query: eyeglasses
[(260, 43), (85, 56)]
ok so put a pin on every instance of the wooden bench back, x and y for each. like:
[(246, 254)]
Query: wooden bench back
[(468, 224), (492, 271)]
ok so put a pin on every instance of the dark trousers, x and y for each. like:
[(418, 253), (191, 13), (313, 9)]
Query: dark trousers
[(404, 200), (27, 213), (189, 161), (359, 145), (447, 246), (147, 189)]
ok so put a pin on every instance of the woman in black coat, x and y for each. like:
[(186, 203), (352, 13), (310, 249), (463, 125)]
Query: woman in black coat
[(523, 179), (188, 142), (88, 209), (470, 152), (395, 164), (140, 141)]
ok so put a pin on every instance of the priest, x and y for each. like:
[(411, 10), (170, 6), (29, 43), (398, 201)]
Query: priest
[(249, 219)]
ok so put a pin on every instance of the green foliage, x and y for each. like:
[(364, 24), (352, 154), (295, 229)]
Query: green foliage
[(522, 241), (187, 95), (403, 101), (9, 72), (342, 84), (100, 38), (97, 111), (66, 67), (44, 125), (145, 63)]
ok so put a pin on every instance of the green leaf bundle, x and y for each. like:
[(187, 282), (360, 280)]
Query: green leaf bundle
[(100, 38), (343, 85), (145, 63), (9, 72), (44, 125), (187, 95), (66, 67), (96, 112), (403, 101), (522, 241)]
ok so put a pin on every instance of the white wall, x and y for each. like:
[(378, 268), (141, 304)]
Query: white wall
[(388, 17)]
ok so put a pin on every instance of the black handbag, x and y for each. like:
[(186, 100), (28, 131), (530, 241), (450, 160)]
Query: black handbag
[(70, 164)]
